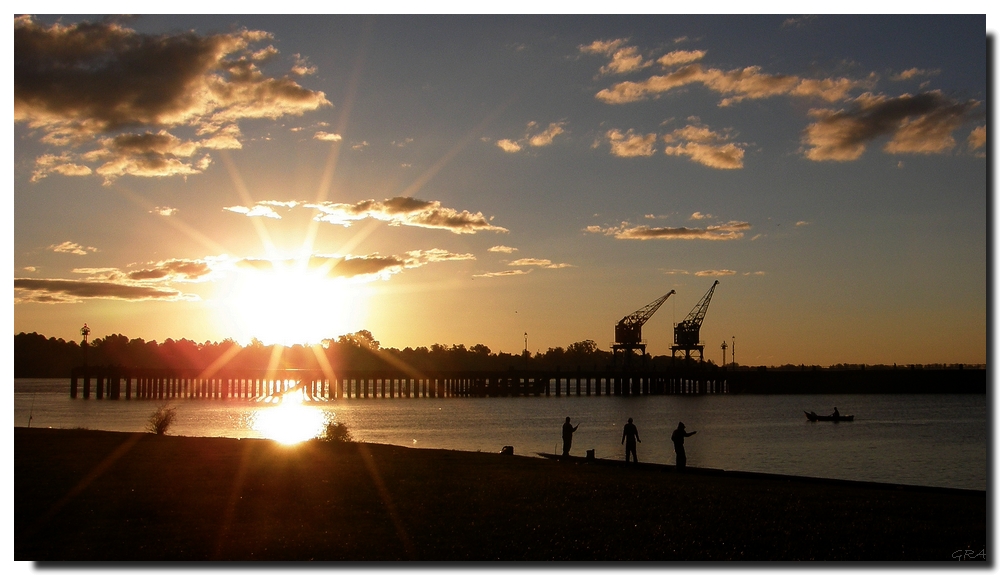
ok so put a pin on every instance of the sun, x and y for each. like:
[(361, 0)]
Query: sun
[(291, 303)]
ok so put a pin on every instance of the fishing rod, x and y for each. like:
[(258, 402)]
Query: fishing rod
[(31, 412)]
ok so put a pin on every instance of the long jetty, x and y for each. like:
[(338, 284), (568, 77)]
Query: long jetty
[(121, 383), (116, 382)]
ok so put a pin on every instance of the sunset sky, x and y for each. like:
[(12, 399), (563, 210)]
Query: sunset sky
[(472, 179)]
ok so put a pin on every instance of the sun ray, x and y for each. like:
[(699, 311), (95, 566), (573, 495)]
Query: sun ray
[(333, 158), (241, 189)]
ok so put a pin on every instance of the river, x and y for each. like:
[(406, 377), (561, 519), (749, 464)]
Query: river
[(932, 440)]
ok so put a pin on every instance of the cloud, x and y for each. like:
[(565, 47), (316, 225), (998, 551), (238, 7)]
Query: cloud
[(405, 211), (705, 147), (737, 85), (542, 263), (754, 273), (913, 73), (678, 57), (801, 223), (28, 290), (545, 137), (533, 137), (920, 124), (327, 137), (509, 146), (74, 248), (701, 216), (164, 211), (603, 47), (172, 270), (502, 249), (732, 230), (302, 67), (106, 84), (797, 22), (630, 144), (714, 273), (977, 138), (366, 268), (257, 211), (30, 269), (504, 273)]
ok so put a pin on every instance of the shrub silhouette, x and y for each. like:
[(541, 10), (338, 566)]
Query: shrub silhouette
[(161, 419), (336, 431)]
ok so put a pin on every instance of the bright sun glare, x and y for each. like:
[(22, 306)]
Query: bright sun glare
[(293, 305), (290, 421)]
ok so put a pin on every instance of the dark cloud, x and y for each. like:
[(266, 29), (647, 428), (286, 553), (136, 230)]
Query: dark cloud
[(185, 270), (68, 291), (405, 211), (75, 82), (920, 124), (733, 230), (373, 265)]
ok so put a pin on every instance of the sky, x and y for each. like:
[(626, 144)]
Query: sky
[(514, 181)]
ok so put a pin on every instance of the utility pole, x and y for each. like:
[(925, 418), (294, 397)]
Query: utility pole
[(526, 356), (734, 352)]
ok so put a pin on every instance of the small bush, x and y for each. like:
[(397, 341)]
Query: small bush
[(337, 432), (161, 419)]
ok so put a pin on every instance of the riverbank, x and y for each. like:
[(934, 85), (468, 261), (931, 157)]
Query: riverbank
[(108, 496)]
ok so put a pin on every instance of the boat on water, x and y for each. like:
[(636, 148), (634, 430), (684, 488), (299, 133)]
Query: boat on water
[(811, 416)]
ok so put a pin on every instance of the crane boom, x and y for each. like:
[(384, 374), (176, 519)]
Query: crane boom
[(628, 330), (688, 332)]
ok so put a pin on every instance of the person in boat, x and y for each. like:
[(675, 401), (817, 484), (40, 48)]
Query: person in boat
[(630, 435), (567, 432), (835, 414), (678, 438)]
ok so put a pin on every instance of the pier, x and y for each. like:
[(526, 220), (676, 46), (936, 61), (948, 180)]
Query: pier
[(115, 382), (121, 383)]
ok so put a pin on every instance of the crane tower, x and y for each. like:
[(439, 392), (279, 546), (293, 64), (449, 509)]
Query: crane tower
[(687, 334), (628, 330)]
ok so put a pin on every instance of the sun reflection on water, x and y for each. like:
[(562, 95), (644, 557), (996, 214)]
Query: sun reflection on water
[(289, 421)]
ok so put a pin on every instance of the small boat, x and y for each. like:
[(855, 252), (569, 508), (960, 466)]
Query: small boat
[(811, 416)]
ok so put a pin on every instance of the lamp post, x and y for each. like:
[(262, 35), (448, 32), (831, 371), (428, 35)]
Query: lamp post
[(724, 346), (734, 352)]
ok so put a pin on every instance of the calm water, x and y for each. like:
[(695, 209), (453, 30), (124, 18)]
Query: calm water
[(937, 440)]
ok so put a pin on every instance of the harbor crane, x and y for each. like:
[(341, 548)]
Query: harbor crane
[(628, 330), (687, 334)]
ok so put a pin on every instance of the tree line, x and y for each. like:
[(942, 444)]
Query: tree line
[(38, 356)]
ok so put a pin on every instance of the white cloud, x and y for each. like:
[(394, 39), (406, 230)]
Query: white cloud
[(74, 248), (327, 137)]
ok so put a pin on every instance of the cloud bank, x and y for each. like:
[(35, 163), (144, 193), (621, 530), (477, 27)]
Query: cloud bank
[(119, 92)]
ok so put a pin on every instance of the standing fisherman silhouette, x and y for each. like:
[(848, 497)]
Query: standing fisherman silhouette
[(567, 431), (629, 436), (678, 438)]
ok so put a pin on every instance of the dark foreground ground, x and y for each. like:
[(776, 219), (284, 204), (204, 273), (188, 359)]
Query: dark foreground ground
[(93, 495)]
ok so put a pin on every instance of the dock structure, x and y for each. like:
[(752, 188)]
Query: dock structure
[(113, 382)]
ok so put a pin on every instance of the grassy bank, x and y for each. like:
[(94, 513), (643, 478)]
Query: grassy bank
[(93, 495)]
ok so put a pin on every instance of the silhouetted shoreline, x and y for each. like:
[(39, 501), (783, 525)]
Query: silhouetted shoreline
[(95, 495)]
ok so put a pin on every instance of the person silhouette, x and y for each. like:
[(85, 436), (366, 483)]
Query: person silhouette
[(678, 438), (567, 432), (836, 413), (629, 436)]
